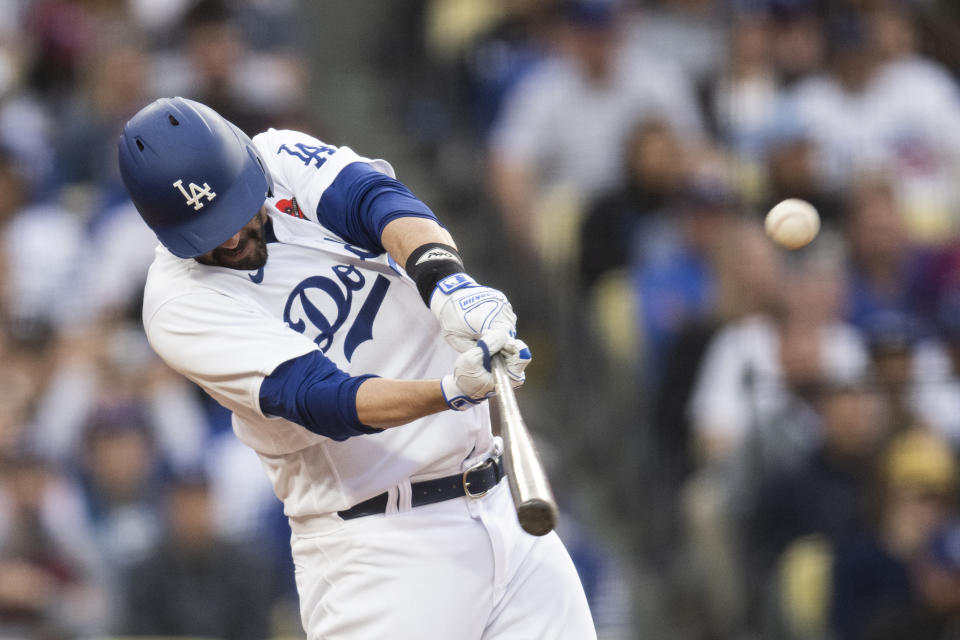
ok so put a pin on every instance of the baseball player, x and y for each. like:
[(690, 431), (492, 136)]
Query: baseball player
[(309, 292)]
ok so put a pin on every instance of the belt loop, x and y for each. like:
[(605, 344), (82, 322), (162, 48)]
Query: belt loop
[(392, 500), (404, 496)]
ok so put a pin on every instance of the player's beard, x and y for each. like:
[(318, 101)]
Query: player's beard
[(249, 254)]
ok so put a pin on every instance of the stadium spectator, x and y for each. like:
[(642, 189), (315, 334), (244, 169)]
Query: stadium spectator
[(746, 96), (892, 341), (110, 365), (216, 66), (754, 368), (657, 173), (55, 231), (791, 172), (502, 55), (798, 39), (119, 250), (902, 117), (747, 272), (936, 577), (871, 577), (935, 368), (63, 34), (114, 83), (121, 475), (604, 89), (826, 490), (674, 269), (888, 273), (756, 384), (195, 583), (51, 578), (689, 33)]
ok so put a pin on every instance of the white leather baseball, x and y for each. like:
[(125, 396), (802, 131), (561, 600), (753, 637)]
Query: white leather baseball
[(792, 223)]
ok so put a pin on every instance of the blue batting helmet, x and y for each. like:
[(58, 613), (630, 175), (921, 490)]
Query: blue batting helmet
[(195, 178)]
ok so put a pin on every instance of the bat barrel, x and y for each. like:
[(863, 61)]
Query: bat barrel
[(536, 506)]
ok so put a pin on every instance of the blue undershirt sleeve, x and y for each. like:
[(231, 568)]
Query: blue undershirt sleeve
[(360, 202), (311, 391)]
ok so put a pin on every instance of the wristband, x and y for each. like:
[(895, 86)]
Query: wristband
[(454, 397), (430, 263)]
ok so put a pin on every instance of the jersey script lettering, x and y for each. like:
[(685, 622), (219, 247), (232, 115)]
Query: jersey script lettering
[(306, 303)]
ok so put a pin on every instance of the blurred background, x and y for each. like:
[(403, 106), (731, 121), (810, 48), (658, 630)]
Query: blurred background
[(747, 443)]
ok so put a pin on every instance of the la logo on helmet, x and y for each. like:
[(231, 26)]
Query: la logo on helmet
[(193, 198)]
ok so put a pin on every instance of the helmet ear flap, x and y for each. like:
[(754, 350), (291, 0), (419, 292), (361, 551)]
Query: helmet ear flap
[(255, 155), (266, 172)]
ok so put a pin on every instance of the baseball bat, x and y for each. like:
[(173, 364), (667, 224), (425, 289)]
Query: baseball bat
[(536, 506)]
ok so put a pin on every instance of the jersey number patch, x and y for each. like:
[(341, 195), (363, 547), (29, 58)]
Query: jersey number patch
[(318, 298)]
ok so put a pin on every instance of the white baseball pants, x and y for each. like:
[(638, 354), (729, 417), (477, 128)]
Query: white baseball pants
[(462, 569)]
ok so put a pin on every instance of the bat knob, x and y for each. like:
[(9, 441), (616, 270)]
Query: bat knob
[(537, 517)]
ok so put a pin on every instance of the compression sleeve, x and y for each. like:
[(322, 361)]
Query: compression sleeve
[(360, 202), (311, 391)]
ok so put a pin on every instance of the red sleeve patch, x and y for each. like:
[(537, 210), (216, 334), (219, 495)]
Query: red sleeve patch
[(290, 207)]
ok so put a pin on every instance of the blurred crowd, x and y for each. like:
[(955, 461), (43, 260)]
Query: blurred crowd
[(749, 442), (799, 412), (126, 505)]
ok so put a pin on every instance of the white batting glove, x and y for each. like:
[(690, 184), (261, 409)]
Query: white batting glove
[(516, 356), (472, 380), (467, 311)]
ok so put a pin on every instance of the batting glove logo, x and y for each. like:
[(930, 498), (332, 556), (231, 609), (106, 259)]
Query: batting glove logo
[(456, 281)]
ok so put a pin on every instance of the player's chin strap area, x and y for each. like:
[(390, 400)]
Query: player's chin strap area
[(474, 483)]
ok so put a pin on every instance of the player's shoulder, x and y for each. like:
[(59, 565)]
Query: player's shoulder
[(167, 269), (168, 279), (301, 162), (297, 158), (272, 141)]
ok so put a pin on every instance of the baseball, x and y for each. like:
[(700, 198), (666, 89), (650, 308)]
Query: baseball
[(792, 223)]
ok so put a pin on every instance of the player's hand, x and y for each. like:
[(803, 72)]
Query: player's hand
[(472, 379), (516, 355), (467, 311)]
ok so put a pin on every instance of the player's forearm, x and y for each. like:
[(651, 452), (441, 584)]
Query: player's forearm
[(384, 402), (402, 235)]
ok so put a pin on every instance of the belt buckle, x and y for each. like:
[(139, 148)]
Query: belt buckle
[(466, 483)]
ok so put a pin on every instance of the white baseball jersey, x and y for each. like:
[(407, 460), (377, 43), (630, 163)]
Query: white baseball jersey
[(227, 330)]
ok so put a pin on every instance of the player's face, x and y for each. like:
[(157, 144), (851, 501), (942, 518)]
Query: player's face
[(246, 250)]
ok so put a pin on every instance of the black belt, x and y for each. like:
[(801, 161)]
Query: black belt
[(474, 482)]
